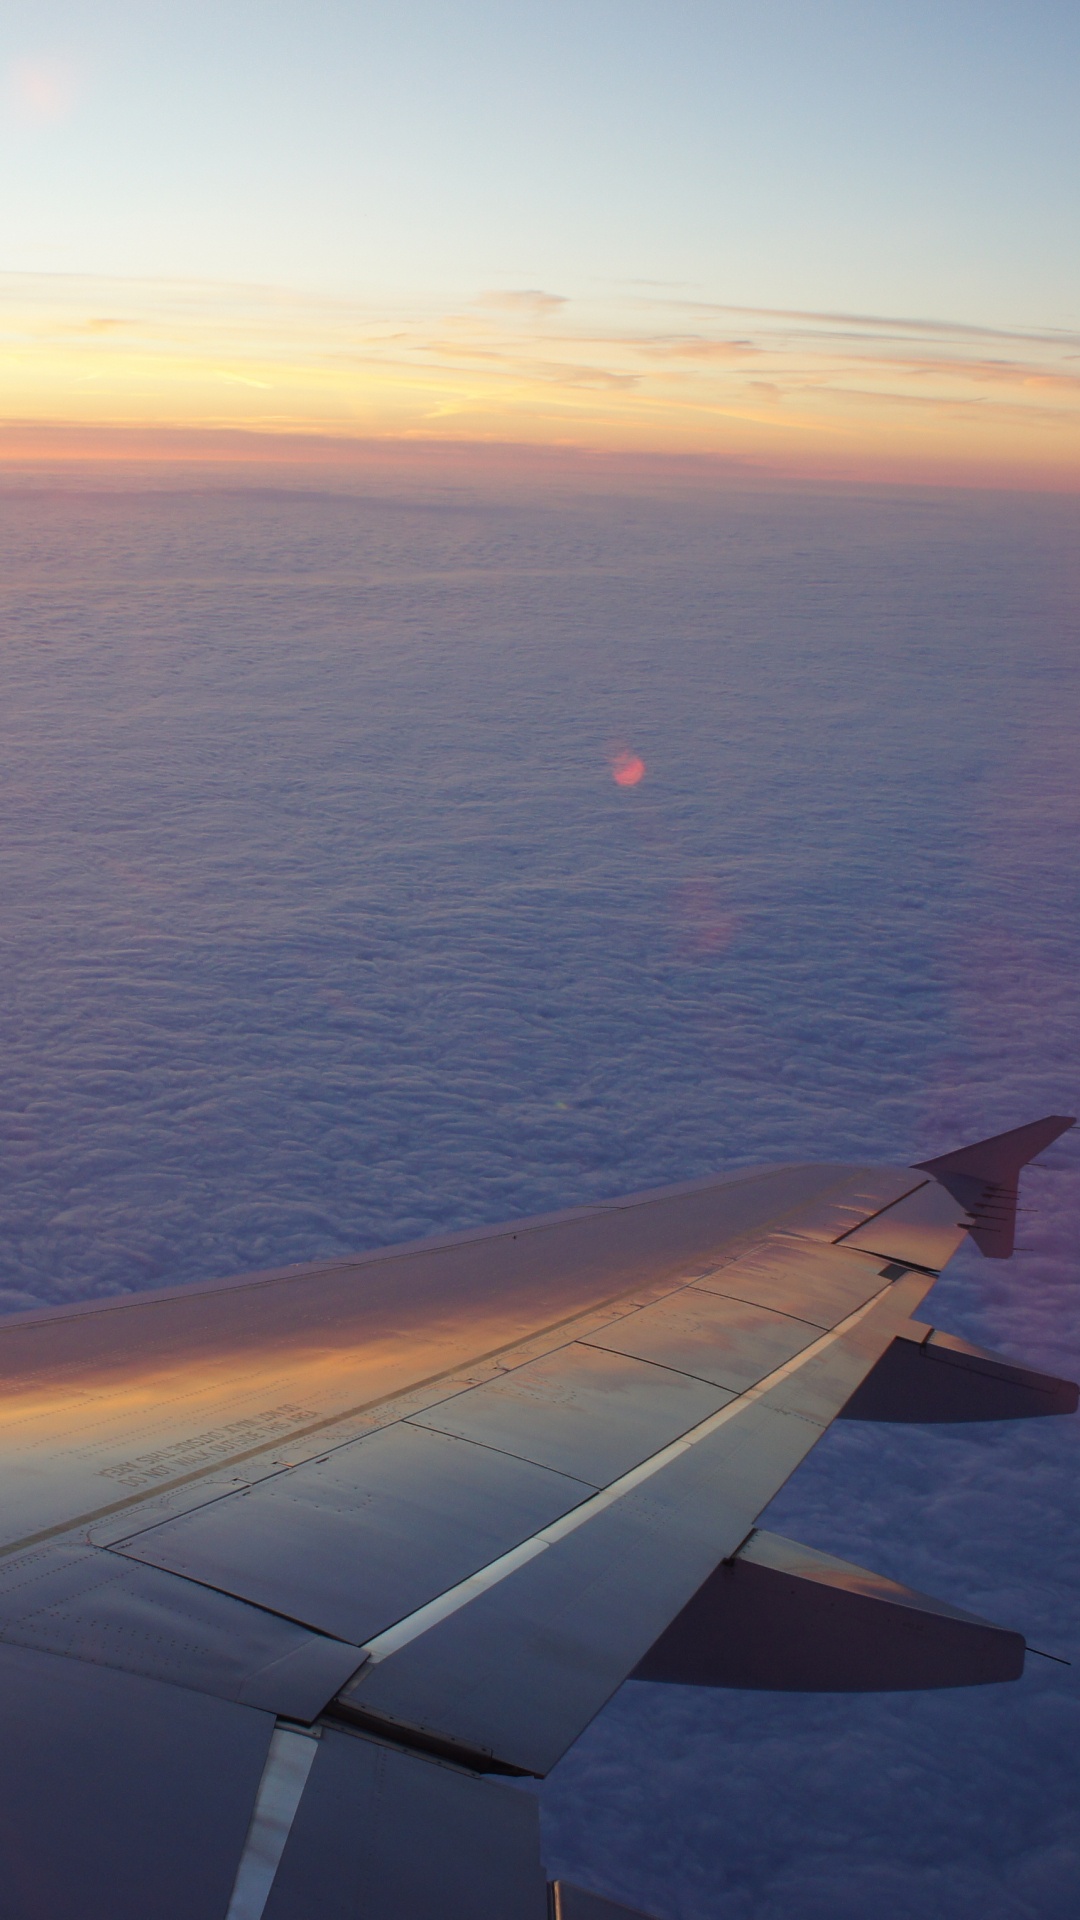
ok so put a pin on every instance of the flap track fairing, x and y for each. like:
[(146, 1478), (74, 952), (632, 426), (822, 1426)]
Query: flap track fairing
[(784, 1617), (930, 1376)]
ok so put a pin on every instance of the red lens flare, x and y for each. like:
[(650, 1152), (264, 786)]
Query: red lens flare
[(626, 768)]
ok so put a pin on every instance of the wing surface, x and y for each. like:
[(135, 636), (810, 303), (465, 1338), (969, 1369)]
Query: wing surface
[(184, 1392), (423, 1511)]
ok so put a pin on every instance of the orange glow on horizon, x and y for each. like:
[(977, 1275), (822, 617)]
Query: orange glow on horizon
[(162, 372)]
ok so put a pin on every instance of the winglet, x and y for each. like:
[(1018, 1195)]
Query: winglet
[(985, 1176)]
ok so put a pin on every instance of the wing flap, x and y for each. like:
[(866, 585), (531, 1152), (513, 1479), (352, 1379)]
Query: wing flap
[(395, 1834), (93, 1606), (381, 1526), (517, 1667), (119, 1796), (350, 1543)]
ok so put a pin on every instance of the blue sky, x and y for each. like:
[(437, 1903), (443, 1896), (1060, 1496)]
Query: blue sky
[(916, 160)]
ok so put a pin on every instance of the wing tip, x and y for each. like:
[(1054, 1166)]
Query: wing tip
[(1002, 1155), (984, 1176)]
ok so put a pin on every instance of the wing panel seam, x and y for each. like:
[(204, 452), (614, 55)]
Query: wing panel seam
[(415, 1624)]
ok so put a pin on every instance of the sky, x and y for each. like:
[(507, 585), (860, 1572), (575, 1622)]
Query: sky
[(835, 239), (392, 849)]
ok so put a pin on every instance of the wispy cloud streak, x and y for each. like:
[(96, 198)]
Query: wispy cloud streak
[(784, 391)]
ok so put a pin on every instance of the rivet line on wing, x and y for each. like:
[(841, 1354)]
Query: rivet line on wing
[(454, 1598)]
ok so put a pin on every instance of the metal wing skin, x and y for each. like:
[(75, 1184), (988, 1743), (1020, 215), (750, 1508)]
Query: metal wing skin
[(294, 1567)]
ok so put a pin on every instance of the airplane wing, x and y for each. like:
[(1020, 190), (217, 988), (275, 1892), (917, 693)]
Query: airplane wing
[(303, 1575)]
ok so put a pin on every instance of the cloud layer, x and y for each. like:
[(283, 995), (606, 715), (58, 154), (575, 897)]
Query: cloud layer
[(326, 924)]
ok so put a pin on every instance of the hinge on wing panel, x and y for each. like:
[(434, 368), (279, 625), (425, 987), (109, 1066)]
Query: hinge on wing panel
[(417, 1739)]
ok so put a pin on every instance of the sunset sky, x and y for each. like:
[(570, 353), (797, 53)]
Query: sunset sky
[(835, 239), (540, 645)]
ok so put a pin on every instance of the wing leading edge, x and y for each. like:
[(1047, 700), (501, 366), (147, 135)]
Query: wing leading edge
[(394, 1526)]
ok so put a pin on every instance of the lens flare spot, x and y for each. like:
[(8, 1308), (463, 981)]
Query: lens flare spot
[(42, 90), (626, 768), (705, 924)]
